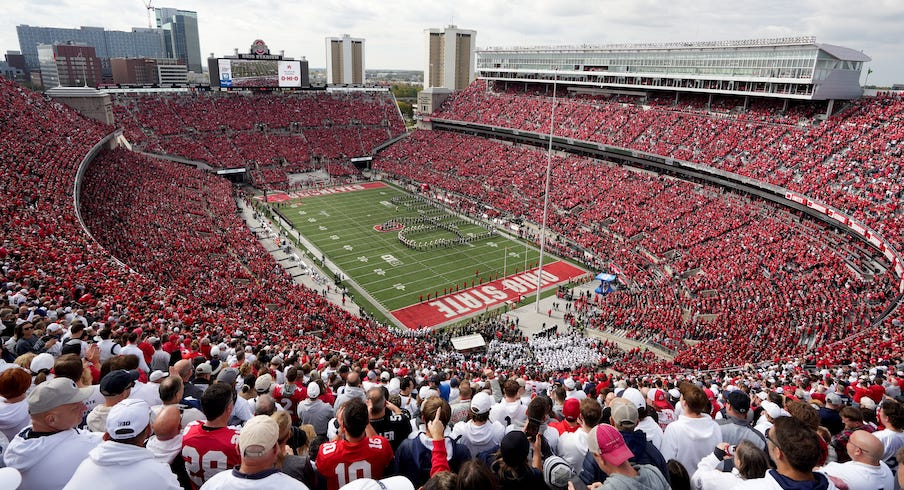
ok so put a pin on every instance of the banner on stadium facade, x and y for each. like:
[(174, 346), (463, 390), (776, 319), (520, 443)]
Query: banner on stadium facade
[(225, 73)]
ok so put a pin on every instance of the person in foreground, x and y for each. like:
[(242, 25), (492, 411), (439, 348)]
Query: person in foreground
[(122, 461), (865, 470), (795, 450), (56, 408), (259, 450), (611, 453)]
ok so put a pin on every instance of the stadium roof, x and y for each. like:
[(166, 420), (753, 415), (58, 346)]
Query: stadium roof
[(747, 43), (842, 53)]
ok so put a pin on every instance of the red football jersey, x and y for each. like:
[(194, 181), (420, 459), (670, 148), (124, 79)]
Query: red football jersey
[(342, 462), (290, 402), (209, 451)]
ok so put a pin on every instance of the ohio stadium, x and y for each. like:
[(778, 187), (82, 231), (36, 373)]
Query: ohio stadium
[(724, 212)]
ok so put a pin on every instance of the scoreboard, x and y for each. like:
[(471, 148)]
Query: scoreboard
[(249, 73)]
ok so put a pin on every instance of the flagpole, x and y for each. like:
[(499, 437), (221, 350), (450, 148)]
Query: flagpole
[(552, 123)]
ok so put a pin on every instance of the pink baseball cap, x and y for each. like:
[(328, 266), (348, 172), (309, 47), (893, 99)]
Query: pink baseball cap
[(606, 441)]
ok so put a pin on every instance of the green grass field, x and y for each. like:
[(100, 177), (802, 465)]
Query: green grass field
[(342, 227)]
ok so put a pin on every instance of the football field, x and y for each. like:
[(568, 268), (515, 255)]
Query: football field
[(421, 263)]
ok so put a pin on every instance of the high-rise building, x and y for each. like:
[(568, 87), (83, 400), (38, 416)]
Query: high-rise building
[(140, 42), (15, 66), (139, 71), (181, 36), (69, 65), (450, 57), (344, 60)]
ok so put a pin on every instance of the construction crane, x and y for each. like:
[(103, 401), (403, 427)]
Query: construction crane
[(150, 8)]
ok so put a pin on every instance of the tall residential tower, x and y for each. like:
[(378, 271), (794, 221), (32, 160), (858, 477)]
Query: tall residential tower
[(450, 57), (344, 60)]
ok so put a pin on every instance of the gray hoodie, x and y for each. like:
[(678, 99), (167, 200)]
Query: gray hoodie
[(648, 478), (346, 393)]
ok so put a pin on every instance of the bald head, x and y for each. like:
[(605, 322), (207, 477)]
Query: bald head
[(182, 368), (865, 448), (353, 379), (168, 423)]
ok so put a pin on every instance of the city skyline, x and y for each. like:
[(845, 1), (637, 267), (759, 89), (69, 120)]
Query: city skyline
[(394, 28)]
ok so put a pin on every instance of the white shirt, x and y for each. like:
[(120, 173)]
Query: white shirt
[(708, 477), (226, 480), (861, 476), (689, 440), (133, 350), (892, 441), (61, 452), (114, 465), (652, 430), (573, 447), (509, 413)]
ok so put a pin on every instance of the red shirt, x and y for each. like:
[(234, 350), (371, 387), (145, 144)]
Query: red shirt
[(562, 427), (342, 462), (290, 402), (148, 351), (208, 451)]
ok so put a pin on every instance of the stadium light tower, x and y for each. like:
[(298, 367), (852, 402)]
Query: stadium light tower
[(552, 125)]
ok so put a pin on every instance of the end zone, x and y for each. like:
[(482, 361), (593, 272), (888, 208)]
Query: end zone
[(284, 196), (481, 298)]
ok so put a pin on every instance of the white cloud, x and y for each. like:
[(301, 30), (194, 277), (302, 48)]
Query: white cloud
[(394, 28)]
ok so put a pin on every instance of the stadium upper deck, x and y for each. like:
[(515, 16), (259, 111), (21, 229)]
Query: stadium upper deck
[(787, 68)]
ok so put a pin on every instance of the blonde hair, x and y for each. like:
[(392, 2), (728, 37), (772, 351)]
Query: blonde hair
[(285, 431), (24, 361)]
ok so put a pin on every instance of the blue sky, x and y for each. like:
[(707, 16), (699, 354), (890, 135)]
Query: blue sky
[(394, 28)]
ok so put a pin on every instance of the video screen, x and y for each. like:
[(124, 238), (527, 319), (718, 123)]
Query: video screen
[(235, 73)]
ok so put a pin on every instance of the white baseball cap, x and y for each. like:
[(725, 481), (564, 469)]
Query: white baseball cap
[(634, 396), (391, 483), (10, 478), (313, 389), (128, 418), (481, 403)]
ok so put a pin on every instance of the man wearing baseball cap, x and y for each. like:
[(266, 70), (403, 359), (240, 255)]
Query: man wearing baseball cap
[(115, 386), (479, 434), (122, 461), (573, 445), (611, 454), (315, 411), (259, 450), (736, 426), (624, 416), (571, 410), (56, 407)]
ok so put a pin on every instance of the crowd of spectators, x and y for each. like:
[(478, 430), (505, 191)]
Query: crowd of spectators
[(200, 295), (272, 135), (747, 280), (223, 411), (851, 160)]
